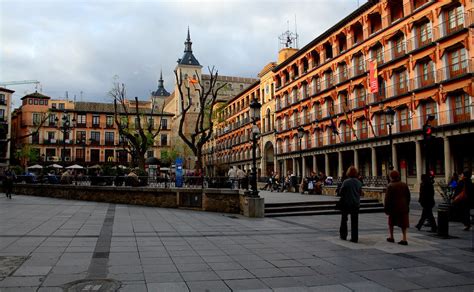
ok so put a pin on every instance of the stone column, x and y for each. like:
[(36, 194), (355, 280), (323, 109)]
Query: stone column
[(340, 166), (356, 159), (295, 169), (374, 161), (303, 167), (315, 164), (394, 157), (275, 164), (447, 159), (419, 162), (326, 164)]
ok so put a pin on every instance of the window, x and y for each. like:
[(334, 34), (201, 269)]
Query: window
[(36, 119), (95, 155), (2, 99), (35, 138), (150, 122), (95, 121), (359, 67), (363, 131), (377, 53), (328, 78), (405, 120), (346, 132), (109, 138), (342, 72), (359, 97), (52, 120), (41, 102), (357, 33), (80, 155), (375, 21), (328, 50), (423, 34), (53, 105), (52, 137), (95, 137), (80, 137), (61, 106), (401, 82), (457, 62), (149, 153), (462, 111), (381, 125), (426, 73), (398, 46), (396, 10), (2, 115), (164, 140), (429, 108), (109, 121), (454, 19), (81, 120), (30, 101)]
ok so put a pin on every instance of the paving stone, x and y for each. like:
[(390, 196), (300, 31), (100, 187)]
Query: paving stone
[(167, 287), (207, 286), (163, 277), (199, 276), (330, 288), (235, 274)]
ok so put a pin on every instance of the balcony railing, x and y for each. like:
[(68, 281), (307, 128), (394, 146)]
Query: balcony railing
[(455, 70)]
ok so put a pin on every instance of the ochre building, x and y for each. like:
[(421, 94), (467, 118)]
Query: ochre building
[(419, 53)]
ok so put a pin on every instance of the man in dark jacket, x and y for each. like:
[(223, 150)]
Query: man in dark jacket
[(427, 201), (397, 206), (349, 203)]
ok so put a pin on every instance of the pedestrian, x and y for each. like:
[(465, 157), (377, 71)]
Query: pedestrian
[(397, 202), (242, 177), (464, 197), (426, 200), (349, 203), (453, 183), (10, 177), (232, 174)]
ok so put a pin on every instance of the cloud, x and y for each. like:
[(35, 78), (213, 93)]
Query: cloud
[(79, 46)]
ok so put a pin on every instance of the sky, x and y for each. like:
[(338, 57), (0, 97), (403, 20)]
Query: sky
[(83, 46)]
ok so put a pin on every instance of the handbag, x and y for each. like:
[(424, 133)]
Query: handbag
[(461, 197)]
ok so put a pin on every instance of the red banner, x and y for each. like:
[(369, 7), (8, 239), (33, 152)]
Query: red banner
[(373, 82)]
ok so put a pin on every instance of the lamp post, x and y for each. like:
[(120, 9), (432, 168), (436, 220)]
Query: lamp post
[(389, 116), (255, 115), (66, 127), (300, 137)]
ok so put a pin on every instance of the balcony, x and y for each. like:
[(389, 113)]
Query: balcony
[(422, 81), (455, 70), (81, 125), (95, 126), (109, 143)]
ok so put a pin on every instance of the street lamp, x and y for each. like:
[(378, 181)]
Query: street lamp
[(255, 107), (66, 127), (300, 137), (389, 116)]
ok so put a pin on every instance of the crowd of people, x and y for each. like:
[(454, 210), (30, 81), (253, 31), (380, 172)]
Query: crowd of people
[(397, 203), (311, 184)]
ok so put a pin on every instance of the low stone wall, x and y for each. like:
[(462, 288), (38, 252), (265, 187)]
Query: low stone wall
[(214, 200), (368, 192)]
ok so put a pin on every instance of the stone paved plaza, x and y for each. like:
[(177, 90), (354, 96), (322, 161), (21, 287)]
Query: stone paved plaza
[(46, 243)]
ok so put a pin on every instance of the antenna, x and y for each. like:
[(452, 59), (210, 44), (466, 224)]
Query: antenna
[(296, 32), (288, 39), (74, 98)]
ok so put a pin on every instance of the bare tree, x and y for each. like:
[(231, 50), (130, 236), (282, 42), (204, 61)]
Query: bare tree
[(140, 135), (20, 150), (206, 99)]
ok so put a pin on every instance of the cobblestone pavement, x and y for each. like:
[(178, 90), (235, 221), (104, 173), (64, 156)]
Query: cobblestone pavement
[(46, 244)]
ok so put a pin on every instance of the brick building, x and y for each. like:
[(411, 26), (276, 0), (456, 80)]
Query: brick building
[(5, 125)]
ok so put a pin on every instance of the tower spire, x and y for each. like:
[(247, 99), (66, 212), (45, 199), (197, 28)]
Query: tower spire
[(160, 81), (188, 44)]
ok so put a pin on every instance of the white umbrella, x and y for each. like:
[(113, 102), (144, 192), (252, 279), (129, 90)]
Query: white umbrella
[(36, 166), (94, 166), (55, 166), (75, 166)]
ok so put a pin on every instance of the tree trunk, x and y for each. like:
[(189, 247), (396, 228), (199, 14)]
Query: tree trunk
[(141, 161)]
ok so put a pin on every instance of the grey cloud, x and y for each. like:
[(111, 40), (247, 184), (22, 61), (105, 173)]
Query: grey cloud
[(80, 46)]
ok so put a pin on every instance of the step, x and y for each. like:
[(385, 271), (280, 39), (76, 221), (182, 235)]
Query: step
[(322, 212), (331, 202), (281, 209)]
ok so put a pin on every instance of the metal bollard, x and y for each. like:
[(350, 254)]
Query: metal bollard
[(443, 220)]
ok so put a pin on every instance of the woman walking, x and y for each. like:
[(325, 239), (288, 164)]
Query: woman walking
[(427, 201), (349, 203), (397, 202)]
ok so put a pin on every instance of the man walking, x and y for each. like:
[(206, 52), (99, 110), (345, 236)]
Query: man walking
[(349, 203)]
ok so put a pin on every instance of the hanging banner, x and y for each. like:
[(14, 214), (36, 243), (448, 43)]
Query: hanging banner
[(373, 80), (179, 173)]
